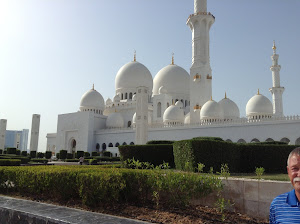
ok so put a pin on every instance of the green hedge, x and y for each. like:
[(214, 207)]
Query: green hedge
[(18, 152), (72, 160), (154, 154), (48, 154), (107, 154), (63, 154), (24, 153), (40, 155), (1, 151), (94, 153), (40, 160), (69, 155), (79, 154), (106, 159), (96, 185), (87, 154), (241, 158), (24, 160), (33, 154), (10, 162), (11, 150)]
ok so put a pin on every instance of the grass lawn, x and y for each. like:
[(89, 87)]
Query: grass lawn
[(267, 176)]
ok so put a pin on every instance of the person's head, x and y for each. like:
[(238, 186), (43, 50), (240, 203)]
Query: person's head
[(293, 168)]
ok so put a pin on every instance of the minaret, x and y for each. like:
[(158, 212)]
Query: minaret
[(3, 123), (141, 131), (35, 129), (276, 90), (201, 75)]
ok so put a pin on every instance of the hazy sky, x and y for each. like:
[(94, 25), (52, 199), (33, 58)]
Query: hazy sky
[(52, 51)]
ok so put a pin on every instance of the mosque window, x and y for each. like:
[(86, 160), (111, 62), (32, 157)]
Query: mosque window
[(159, 109), (125, 96), (130, 96), (97, 146), (103, 146), (286, 140), (117, 144), (131, 143), (124, 143), (297, 141), (254, 140), (122, 97), (129, 124), (110, 145)]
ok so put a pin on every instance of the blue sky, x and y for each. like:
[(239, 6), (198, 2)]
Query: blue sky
[(52, 51)]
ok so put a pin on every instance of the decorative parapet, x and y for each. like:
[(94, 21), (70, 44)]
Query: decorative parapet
[(201, 13)]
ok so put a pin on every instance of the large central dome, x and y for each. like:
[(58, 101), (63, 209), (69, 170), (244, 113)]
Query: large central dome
[(132, 75), (174, 79)]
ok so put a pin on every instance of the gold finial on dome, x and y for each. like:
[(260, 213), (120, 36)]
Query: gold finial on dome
[(211, 98), (258, 92), (172, 59), (274, 47), (93, 87), (134, 57), (225, 95)]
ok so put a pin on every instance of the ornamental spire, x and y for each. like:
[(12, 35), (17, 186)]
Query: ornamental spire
[(258, 92), (93, 88), (172, 59), (225, 95), (134, 57), (274, 47)]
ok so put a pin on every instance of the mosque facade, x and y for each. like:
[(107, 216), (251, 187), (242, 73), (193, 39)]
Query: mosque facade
[(174, 105)]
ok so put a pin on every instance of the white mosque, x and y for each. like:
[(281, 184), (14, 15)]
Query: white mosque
[(175, 105)]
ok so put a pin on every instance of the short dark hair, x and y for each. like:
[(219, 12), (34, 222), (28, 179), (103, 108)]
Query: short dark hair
[(295, 151)]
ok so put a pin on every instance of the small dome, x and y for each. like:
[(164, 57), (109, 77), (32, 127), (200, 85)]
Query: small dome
[(162, 90), (173, 114), (179, 104), (211, 110), (174, 79), (230, 109), (92, 99), (132, 75), (108, 101), (259, 105), (187, 119), (115, 120), (117, 99), (134, 97)]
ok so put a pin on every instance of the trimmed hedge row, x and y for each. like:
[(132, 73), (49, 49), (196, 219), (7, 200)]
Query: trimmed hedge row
[(94, 185), (39, 160), (10, 162), (24, 160), (160, 142), (241, 158), (154, 154)]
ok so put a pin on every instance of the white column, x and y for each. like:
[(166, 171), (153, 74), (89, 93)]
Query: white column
[(35, 129), (141, 132), (200, 6), (3, 123), (276, 90), (200, 88)]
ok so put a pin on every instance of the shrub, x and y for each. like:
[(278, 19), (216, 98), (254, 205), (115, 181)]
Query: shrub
[(93, 162), (154, 154), (10, 162), (80, 154), (87, 154), (209, 138), (11, 150), (107, 154), (58, 155), (18, 152), (241, 158), (33, 154), (72, 160), (63, 154), (24, 153), (69, 155), (95, 153), (40, 155), (48, 154), (1, 151), (40, 160)]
